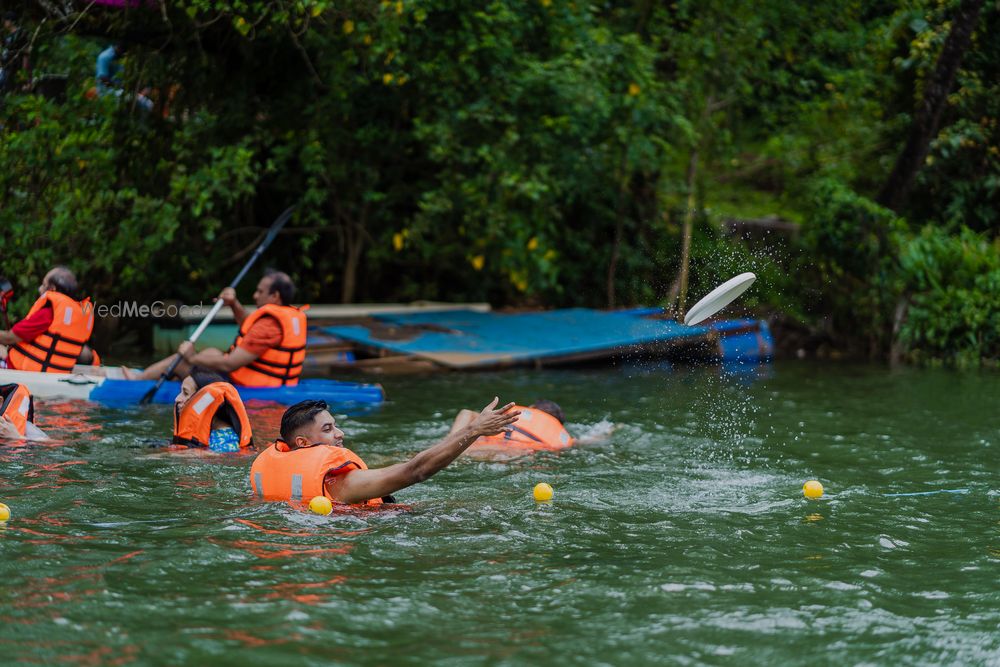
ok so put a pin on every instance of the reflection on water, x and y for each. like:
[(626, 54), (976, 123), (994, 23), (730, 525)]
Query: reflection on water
[(680, 537)]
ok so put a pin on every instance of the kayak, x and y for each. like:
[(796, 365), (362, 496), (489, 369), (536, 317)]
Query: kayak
[(107, 386)]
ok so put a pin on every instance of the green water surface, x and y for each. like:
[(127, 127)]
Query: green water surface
[(683, 539)]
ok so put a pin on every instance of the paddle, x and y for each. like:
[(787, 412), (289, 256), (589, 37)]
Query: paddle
[(719, 298), (271, 233)]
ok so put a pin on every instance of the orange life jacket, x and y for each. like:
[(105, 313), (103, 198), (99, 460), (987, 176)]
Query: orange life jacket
[(17, 405), (56, 350), (280, 473), (277, 366), (193, 424), (534, 429)]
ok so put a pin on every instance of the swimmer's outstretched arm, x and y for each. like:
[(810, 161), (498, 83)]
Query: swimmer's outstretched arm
[(359, 486), (462, 420)]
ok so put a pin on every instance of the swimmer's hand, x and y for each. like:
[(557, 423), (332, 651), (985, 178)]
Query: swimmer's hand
[(492, 420), (7, 428)]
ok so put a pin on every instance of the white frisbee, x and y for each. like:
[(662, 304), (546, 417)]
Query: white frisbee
[(719, 298)]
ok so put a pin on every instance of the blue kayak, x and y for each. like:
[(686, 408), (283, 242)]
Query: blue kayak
[(118, 392)]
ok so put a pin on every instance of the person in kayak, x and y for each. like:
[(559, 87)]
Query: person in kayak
[(209, 413), (52, 336), (269, 348), (309, 459), (17, 413)]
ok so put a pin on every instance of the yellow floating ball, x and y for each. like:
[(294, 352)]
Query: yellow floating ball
[(321, 505), (4, 512), (812, 489), (543, 492)]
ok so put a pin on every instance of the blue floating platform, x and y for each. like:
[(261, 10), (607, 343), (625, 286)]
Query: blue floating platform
[(467, 339)]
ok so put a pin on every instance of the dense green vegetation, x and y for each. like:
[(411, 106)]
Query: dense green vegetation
[(542, 153)]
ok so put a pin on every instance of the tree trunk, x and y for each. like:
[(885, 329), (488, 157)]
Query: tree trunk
[(928, 116), (623, 183), (613, 263), (686, 234), (355, 243)]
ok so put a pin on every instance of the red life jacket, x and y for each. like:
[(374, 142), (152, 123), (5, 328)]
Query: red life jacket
[(17, 405), (299, 475), (277, 366), (534, 429), (193, 424), (56, 350)]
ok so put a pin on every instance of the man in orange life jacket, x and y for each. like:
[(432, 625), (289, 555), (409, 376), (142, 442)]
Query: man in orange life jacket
[(267, 352), (55, 332), (309, 459), (540, 427)]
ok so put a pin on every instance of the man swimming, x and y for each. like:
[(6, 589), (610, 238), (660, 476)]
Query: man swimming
[(309, 459)]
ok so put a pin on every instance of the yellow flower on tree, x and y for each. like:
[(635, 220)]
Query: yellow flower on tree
[(519, 280), (477, 262), (397, 241), (533, 243), (387, 78), (634, 89), (348, 27)]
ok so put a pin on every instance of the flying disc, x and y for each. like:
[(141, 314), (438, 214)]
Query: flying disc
[(719, 298)]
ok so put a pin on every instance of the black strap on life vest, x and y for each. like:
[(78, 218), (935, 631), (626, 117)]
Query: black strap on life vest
[(285, 370), (520, 430), (50, 352)]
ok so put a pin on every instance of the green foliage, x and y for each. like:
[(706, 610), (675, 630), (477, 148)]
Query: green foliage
[(524, 153), (952, 281), (851, 247)]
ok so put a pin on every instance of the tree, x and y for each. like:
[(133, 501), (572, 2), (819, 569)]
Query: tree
[(928, 115)]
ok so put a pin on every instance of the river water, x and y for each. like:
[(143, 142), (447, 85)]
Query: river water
[(682, 538)]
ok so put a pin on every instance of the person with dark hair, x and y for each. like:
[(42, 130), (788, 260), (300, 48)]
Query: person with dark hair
[(540, 427), (269, 349), (88, 357), (56, 329), (14, 47), (309, 459), (209, 413)]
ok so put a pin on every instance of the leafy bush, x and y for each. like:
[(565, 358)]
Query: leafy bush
[(952, 282), (851, 247)]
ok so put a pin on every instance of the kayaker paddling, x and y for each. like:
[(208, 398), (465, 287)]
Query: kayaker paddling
[(268, 351)]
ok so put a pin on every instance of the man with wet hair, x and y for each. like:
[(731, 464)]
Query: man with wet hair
[(269, 349), (309, 459), (43, 342)]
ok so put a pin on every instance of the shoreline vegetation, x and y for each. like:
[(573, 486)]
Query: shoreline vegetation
[(542, 154)]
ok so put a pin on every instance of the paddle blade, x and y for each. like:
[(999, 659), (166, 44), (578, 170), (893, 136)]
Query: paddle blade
[(719, 298), (148, 396)]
